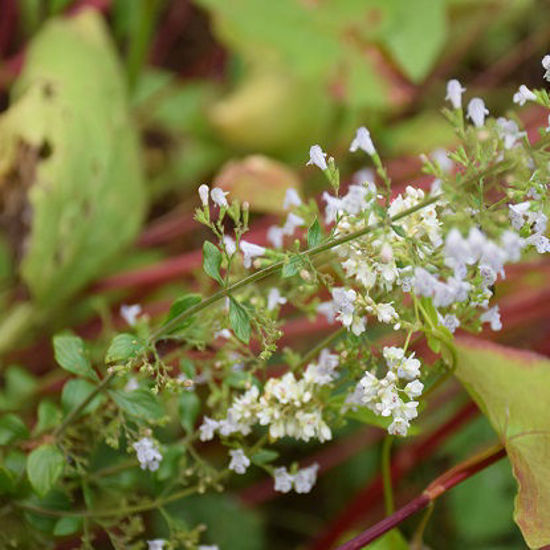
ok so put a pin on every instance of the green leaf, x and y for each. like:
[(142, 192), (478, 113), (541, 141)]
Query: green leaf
[(292, 267), (67, 526), (44, 466), (172, 463), (75, 392), (86, 189), (189, 406), (12, 428), (212, 261), (399, 230), (239, 320), (49, 416), (180, 306), (71, 355), (416, 35), (141, 403), (264, 456), (19, 385), (124, 347), (314, 235), (512, 388)]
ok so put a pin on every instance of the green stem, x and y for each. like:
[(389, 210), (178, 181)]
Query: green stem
[(386, 475), (77, 410)]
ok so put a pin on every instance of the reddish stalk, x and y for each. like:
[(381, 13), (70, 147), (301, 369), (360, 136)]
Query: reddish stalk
[(439, 486), (405, 460)]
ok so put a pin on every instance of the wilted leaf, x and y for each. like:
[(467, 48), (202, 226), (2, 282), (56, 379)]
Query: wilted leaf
[(260, 181), (69, 153), (512, 387)]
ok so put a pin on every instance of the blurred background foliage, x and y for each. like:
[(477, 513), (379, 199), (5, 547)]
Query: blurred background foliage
[(114, 112)]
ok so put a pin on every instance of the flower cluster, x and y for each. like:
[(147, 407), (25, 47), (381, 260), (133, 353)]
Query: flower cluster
[(384, 396), (148, 454), (302, 481), (288, 406)]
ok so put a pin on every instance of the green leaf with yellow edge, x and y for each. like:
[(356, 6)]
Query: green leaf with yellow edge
[(69, 127), (512, 388)]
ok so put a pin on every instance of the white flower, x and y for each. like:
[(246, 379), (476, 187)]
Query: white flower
[(291, 198), (344, 304), (363, 141), (148, 454), (322, 373), (218, 196), (283, 480), (546, 66), (492, 316), (524, 94), (454, 93), (239, 461), (292, 222), (305, 479), (203, 194), (399, 426), (365, 176), (333, 208), (275, 298), (230, 246), (424, 283), (250, 251), (275, 235), (441, 157), (449, 321), (517, 213), (477, 111), (328, 309), (414, 389), (512, 244), (130, 313), (541, 242), (208, 428), (385, 313), (156, 544), (131, 385), (409, 368), (509, 132), (317, 157)]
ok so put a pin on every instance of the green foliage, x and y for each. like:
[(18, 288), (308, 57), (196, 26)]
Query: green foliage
[(19, 385), (75, 392), (189, 406), (70, 354), (180, 306), (314, 234), (392, 540), (239, 319), (70, 107), (212, 261), (512, 388), (140, 403), (44, 466), (12, 428), (124, 347)]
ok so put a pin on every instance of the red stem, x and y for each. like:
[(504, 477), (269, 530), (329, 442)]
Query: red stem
[(405, 460), (438, 487)]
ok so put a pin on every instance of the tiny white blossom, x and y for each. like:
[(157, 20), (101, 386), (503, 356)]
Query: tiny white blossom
[(208, 428), (275, 236), (130, 313), (305, 479), (239, 461), (275, 298), (291, 198), (363, 141), (399, 426), (414, 389), (218, 196), (442, 158), (292, 222), (283, 480), (230, 246), (509, 132), (492, 316), (344, 303), (131, 385), (328, 309), (546, 66), (250, 251), (148, 454), (454, 93), (477, 111), (156, 544), (524, 94), (317, 157), (204, 190)]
